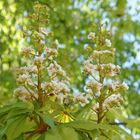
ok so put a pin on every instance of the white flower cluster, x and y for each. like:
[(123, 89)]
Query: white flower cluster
[(91, 36), (94, 86), (23, 79), (25, 70), (83, 99), (116, 86), (104, 69), (108, 69), (45, 31), (103, 53), (54, 70), (108, 43), (39, 35), (88, 67), (97, 64), (51, 53), (38, 60), (55, 87), (26, 51), (22, 94), (111, 101)]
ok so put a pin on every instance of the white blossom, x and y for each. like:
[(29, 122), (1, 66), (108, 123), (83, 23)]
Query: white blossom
[(55, 69), (51, 53), (116, 86), (108, 69), (88, 67), (113, 100), (45, 31), (91, 35), (125, 86), (32, 69), (82, 99), (38, 60), (52, 69), (21, 93), (24, 78), (26, 51), (95, 86), (39, 35), (108, 42)]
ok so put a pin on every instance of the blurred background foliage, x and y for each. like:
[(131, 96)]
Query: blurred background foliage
[(71, 21)]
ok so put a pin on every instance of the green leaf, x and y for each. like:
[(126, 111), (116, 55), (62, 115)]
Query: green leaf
[(20, 138), (115, 113), (85, 113), (68, 133), (2, 132), (87, 125), (62, 133), (17, 125), (42, 137), (16, 112), (133, 123), (47, 119)]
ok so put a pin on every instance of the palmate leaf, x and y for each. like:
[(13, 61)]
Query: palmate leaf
[(15, 109), (21, 137), (17, 125), (62, 133), (93, 129), (14, 119), (20, 105), (16, 112), (87, 125)]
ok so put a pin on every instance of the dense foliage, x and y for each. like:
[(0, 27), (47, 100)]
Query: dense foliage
[(48, 102)]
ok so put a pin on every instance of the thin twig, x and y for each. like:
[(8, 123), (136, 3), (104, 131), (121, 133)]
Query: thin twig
[(119, 123)]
